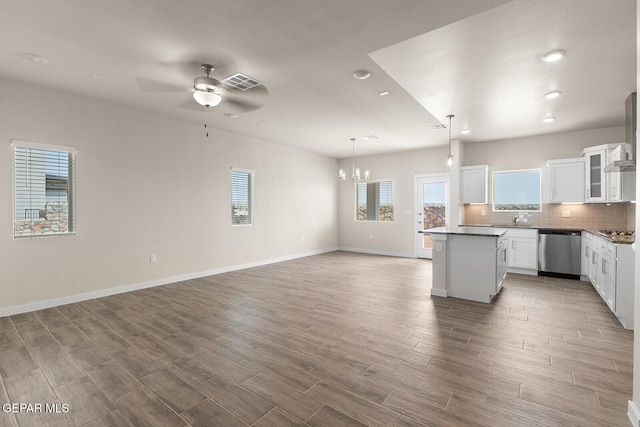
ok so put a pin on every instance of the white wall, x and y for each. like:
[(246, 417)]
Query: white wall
[(533, 152), (150, 184), (392, 238)]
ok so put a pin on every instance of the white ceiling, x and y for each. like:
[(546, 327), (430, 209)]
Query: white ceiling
[(477, 59)]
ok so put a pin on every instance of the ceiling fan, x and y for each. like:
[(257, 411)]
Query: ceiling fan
[(234, 92), (237, 91), (209, 91)]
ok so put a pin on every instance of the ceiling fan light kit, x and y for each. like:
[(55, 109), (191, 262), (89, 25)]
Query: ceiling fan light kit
[(206, 98)]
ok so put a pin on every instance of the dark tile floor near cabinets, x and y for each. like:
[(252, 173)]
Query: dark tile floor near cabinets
[(338, 339)]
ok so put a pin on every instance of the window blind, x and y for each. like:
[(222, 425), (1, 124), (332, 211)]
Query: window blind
[(241, 197), (43, 189), (374, 201)]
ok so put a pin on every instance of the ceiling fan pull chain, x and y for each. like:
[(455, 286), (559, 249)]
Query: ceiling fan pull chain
[(206, 110)]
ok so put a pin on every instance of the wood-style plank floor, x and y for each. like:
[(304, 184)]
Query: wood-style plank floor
[(338, 339)]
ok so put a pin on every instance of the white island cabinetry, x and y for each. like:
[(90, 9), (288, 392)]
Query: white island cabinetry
[(471, 263)]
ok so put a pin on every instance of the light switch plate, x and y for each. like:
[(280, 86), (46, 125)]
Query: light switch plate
[(566, 214)]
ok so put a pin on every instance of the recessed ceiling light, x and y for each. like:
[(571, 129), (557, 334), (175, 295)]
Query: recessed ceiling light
[(553, 94), (231, 115), (553, 56), (33, 57), (549, 119), (370, 137), (362, 74), (96, 76), (385, 93), (465, 131), (260, 124)]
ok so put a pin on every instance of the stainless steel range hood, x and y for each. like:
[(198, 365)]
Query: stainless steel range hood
[(631, 127)]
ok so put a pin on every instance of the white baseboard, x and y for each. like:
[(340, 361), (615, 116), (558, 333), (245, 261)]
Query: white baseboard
[(439, 292), (522, 271), (40, 305), (377, 252), (633, 414)]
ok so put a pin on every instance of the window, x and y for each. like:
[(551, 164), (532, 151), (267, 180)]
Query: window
[(241, 197), (517, 190), (43, 189), (374, 201)]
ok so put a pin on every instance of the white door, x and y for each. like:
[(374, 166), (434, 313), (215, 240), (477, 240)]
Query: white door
[(431, 209)]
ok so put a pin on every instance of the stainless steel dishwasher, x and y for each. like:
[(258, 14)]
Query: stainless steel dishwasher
[(559, 253)]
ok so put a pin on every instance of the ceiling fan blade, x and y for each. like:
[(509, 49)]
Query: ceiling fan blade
[(149, 85), (191, 104), (241, 105), (193, 68)]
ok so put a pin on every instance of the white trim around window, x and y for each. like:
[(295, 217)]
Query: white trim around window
[(242, 196), (44, 182)]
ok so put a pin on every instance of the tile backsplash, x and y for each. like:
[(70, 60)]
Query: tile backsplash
[(596, 216)]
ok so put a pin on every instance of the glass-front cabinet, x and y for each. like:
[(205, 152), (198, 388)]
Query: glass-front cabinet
[(595, 178)]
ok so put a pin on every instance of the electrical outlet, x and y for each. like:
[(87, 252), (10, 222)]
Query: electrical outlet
[(438, 247), (153, 258), (302, 239), (371, 236), (484, 212), (566, 214)]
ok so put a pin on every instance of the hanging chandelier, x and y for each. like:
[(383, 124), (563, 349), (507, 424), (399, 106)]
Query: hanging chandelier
[(450, 157), (355, 172)]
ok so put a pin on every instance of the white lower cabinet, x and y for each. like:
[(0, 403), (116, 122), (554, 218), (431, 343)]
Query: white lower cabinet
[(610, 268), (608, 281), (522, 251), (586, 249)]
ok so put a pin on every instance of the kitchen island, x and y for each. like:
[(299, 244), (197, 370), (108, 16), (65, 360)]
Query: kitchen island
[(468, 262)]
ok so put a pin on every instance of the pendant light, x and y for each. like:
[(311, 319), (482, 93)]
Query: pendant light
[(355, 172), (450, 158)]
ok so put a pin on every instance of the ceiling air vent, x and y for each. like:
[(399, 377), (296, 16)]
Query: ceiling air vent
[(241, 81), (439, 126)]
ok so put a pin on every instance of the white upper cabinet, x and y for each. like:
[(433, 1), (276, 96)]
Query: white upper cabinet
[(595, 178), (474, 182), (566, 180), (613, 186), (621, 185)]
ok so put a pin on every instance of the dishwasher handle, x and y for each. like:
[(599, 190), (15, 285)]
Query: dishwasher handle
[(559, 232)]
